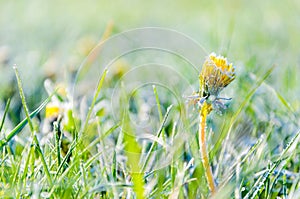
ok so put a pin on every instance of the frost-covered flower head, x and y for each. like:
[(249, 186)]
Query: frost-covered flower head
[(215, 75)]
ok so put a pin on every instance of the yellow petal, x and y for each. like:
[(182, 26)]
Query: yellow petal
[(52, 111)]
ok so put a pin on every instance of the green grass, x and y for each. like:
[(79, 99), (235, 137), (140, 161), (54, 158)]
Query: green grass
[(125, 129)]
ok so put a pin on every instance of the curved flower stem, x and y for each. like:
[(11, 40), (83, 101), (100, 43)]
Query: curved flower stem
[(205, 110)]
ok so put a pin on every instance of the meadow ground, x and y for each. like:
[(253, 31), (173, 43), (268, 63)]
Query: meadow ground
[(95, 99)]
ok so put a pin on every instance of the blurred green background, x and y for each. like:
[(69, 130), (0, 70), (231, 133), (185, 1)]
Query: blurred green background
[(51, 38), (32, 31), (45, 38)]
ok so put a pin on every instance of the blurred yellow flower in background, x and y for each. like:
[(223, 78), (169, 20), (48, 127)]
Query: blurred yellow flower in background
[(52, 110)]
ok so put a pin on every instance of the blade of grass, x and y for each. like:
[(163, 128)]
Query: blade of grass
[(97, 140), (166, 184), (87, 164), (44, 163), (287, 105), (229, 176), (22, 177), (157, 135), (173, 169), (69, 169), (59, 178), (114, 166), (57, 132), (284, 187), (4, 115), (132, 150), (31, 152), (3, 160), (226, 133), (69, 153), (293, 188), (271, 183), (17, 171), (98, 89), (37, 145), (158, 108), (228, 127), (83, 174), (261, 181), (23, 123), (22, 95)]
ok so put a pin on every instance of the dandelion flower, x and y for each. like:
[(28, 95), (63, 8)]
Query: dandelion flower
[(215, 75)]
